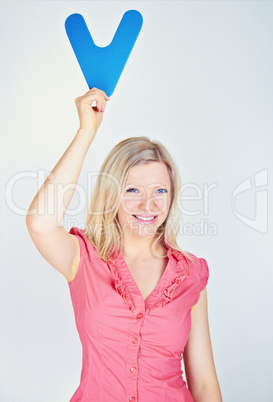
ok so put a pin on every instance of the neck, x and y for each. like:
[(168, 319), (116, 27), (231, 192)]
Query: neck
[(135, 246)]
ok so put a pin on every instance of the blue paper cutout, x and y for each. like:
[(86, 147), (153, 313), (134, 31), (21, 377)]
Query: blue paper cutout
[(102, 66)]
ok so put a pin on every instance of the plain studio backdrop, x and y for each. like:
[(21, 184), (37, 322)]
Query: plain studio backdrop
[(199, 80)]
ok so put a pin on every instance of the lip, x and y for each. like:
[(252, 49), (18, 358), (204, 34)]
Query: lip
[(142, 222)]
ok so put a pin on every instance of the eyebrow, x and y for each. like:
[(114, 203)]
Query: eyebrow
[(155, 185)]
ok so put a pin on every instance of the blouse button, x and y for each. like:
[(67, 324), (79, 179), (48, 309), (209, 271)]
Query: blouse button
[(132, 399), (134, 341), (133, 370), (140, 315)]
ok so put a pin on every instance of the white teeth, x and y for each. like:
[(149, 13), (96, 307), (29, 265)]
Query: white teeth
[(145, 218)]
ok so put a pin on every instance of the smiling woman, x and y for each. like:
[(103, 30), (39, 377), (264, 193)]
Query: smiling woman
[(146, 200), (139, 301), (136, 193)]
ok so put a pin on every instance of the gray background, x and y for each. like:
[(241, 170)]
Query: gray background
[(200, 81)]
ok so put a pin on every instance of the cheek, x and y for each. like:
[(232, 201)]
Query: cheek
[(129, 205), (163, 204), (122, 218)]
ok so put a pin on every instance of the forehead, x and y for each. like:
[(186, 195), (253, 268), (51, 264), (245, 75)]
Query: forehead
[(149, 173)]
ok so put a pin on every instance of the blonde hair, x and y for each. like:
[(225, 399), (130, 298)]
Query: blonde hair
[(102, 226)]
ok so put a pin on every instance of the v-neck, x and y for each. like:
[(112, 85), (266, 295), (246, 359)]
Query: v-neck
[(158, 285), (177, 269)]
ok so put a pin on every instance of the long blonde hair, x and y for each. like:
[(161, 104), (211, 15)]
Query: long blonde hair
[(102, 226)]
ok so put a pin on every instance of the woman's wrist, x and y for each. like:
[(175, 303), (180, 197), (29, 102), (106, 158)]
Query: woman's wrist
[(87, 133), (85, 137)]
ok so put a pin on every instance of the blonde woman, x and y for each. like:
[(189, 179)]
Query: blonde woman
[(140, 302)]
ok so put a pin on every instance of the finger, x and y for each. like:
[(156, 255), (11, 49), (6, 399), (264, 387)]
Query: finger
[(104, 95), (100, 106), (95, 97), (96, 90)]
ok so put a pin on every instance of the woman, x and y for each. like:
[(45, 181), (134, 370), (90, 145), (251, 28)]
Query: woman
[(140, 303)]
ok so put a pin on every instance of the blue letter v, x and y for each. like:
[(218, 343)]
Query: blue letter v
[(102, 66)]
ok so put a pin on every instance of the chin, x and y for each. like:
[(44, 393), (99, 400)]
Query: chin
[(144, 231)]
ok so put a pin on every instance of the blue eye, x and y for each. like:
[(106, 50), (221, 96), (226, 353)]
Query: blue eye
[(131, 190), (162, 190)]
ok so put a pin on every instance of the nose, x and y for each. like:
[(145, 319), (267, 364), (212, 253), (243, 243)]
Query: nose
[(148, 204)]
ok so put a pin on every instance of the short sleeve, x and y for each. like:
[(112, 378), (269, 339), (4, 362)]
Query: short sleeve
[(204, 273), (86, 251), (200, 278), (79, 233)]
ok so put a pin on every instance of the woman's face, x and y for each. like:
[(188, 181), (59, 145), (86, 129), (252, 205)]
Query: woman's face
[(146, 199)]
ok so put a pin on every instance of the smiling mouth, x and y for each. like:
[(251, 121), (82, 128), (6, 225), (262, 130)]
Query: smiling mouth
[(144, 218)]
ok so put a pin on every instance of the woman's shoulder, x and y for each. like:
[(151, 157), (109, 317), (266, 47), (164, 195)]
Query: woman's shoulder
[(194, 266), (86, 247), (180, 254)]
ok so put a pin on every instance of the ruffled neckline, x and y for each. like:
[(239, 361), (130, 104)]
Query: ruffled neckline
[(176, 271)]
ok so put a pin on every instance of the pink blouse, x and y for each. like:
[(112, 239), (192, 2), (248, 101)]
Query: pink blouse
[(131, 348)]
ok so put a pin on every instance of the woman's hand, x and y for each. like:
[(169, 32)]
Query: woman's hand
[(91, 117)]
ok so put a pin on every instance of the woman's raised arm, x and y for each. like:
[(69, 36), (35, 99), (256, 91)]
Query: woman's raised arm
[(48, 207)]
